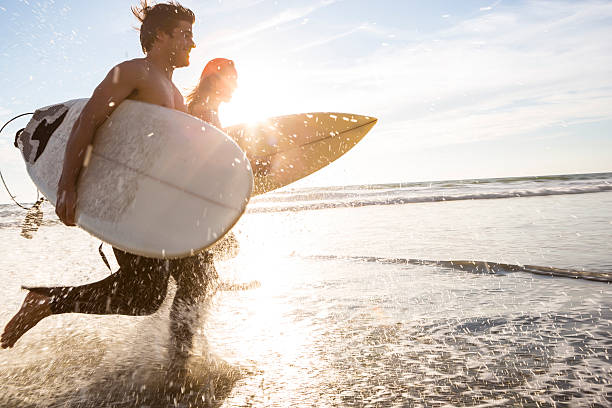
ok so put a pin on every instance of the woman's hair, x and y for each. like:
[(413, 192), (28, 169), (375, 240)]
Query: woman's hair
[(211, 71), (159, 17)]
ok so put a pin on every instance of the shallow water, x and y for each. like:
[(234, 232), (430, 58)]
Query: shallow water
[(330, 326), (393, 336)]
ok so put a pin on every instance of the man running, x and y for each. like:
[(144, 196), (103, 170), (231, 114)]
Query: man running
[(140, 285)]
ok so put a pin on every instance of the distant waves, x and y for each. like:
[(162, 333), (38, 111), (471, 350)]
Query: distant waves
[(322, 200)]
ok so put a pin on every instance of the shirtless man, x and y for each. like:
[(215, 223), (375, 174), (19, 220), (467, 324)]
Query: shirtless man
[(139, 287)]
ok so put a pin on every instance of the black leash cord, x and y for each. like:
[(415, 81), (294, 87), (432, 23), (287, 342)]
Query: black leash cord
[(15, 143), (16, 117)]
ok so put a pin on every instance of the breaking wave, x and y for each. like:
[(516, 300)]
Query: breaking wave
[(484, 267)]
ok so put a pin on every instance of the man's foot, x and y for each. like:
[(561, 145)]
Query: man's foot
[(35, 307)]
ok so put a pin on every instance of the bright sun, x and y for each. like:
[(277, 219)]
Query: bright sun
[(261, 93)]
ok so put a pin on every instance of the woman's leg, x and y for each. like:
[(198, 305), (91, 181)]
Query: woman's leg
[(196, 279)]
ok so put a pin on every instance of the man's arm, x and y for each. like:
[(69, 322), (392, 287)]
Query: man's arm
[(120, 82)]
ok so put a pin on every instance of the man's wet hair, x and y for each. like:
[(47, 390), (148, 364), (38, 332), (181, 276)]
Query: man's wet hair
[(159, 17)]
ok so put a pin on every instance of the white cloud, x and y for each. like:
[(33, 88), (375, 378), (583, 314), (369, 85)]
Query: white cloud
[(329, 39), (223, 7), (497, 76), (285, 16)]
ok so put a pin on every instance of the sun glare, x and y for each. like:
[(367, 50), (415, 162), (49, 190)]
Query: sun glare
[(262, 93)]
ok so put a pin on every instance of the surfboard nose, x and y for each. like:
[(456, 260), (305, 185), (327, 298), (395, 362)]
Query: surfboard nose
[(339, 122), (353, 127), (364, 124)]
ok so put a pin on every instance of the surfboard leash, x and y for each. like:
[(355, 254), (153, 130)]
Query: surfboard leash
[(2, 177), (104, 257), (34, 216)]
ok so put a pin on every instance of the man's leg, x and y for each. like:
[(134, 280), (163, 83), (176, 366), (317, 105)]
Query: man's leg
[(137, 288), (196, 279)]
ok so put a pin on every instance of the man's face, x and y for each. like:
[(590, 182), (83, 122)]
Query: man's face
[(179, 44)]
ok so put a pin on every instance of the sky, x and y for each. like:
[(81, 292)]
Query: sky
[(461, 89)]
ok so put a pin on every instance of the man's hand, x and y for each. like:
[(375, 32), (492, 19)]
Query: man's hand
[(65, 207)]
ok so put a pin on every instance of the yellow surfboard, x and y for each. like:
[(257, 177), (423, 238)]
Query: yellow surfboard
[(285, 149)]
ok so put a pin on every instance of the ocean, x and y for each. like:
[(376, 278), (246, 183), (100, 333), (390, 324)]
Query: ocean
[(489, 292)]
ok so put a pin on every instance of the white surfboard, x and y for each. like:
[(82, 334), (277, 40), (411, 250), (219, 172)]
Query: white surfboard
[(159, 183), (287, 148)]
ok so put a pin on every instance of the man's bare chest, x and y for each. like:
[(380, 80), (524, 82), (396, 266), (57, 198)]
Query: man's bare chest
[(158, 91)]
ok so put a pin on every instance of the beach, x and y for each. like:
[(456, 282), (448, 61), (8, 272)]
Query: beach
[(487, 292)]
